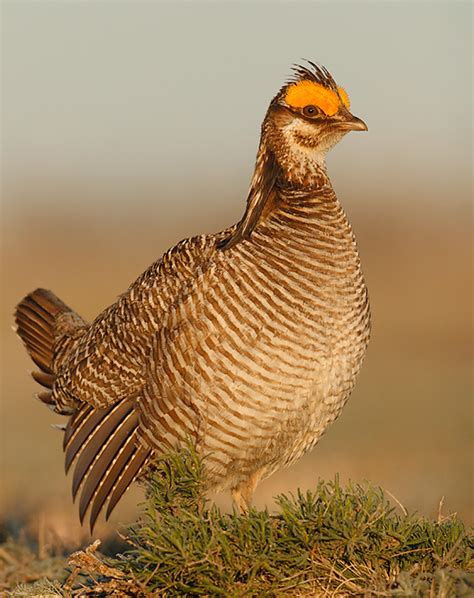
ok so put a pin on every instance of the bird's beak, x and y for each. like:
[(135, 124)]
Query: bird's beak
[(352, 123)]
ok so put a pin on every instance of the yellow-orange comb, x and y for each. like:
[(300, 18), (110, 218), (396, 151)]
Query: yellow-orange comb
[(344, 97), (308, 93)]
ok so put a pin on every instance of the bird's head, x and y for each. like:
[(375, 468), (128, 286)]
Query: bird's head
[(308, 116)]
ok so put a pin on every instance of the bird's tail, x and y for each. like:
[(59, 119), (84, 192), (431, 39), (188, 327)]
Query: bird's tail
[(47, 327), (100, 444)]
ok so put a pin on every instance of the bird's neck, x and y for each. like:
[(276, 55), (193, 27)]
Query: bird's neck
[(301, 179), (280, 178), (303, 169), (303, 195)]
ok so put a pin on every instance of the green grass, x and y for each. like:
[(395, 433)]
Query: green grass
[(337, 540)]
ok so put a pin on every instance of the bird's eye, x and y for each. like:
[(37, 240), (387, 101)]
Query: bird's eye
[(310, 110)]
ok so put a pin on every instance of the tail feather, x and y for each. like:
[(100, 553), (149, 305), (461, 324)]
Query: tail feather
[(46, 380), (103, 445), (36, 319), (46, 398)]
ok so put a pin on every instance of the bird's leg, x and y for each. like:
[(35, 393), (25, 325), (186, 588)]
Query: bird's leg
[(237, 500), (243, 493)]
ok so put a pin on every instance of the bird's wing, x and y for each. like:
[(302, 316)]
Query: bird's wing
[(108, 363), (200, 366)]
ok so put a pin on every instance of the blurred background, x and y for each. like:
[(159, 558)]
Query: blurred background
[(127, 126)]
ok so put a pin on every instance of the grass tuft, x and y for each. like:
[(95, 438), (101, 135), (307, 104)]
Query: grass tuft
[(334, 541)]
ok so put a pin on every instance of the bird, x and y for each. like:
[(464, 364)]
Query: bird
[(247, 341)]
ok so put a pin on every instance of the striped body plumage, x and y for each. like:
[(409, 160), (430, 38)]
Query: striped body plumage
[(248, 341)]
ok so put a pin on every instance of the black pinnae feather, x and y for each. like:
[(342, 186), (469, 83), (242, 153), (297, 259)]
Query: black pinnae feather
[(315, 72)]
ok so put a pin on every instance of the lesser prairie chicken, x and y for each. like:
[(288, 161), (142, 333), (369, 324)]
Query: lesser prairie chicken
[(248, 340)]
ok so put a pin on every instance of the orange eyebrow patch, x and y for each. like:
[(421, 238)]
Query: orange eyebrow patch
[(344, 97), (308, 93)]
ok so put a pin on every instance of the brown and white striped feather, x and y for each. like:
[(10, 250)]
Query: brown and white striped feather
[(253, 351), (260, 354)]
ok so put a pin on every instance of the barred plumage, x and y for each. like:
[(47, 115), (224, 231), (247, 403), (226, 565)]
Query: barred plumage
[(249, 340)]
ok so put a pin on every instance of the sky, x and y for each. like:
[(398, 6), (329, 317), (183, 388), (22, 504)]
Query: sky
[(171, 95)]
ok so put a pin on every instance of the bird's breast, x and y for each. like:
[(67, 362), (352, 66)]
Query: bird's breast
[(261, 357)]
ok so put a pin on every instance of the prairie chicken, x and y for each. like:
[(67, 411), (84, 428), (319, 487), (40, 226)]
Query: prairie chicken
[(248, 340)]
